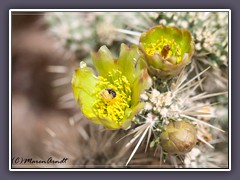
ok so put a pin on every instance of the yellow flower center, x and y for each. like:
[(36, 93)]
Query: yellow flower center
[(165, 47), (113, 97)]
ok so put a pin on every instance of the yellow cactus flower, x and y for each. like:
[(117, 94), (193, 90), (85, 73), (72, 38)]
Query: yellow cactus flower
[(167, 50), (113, 97)]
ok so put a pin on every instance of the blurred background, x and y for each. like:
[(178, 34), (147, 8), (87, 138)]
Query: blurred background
[(46, 121)]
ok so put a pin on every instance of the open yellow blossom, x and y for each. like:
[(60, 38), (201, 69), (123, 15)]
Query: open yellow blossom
[(113, 97), (167, 50)]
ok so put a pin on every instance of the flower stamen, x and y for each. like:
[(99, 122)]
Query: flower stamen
[(166, 47), (113, 97)]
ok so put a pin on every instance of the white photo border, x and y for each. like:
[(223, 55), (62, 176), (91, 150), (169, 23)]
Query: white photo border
[(119, 10)]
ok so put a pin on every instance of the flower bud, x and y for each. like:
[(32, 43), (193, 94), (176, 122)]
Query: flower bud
[(179, 137)]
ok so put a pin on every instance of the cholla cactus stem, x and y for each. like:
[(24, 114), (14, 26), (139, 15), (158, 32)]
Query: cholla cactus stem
[(180, 92)]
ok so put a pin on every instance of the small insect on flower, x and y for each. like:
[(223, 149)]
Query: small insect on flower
[(108, 94), (165, 51)]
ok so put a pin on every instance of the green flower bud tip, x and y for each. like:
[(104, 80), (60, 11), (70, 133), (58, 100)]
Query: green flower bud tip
[(113, 97), (179, 137), (167, 50)]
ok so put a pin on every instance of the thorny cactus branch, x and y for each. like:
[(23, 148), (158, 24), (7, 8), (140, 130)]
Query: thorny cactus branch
[(182, 100)]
